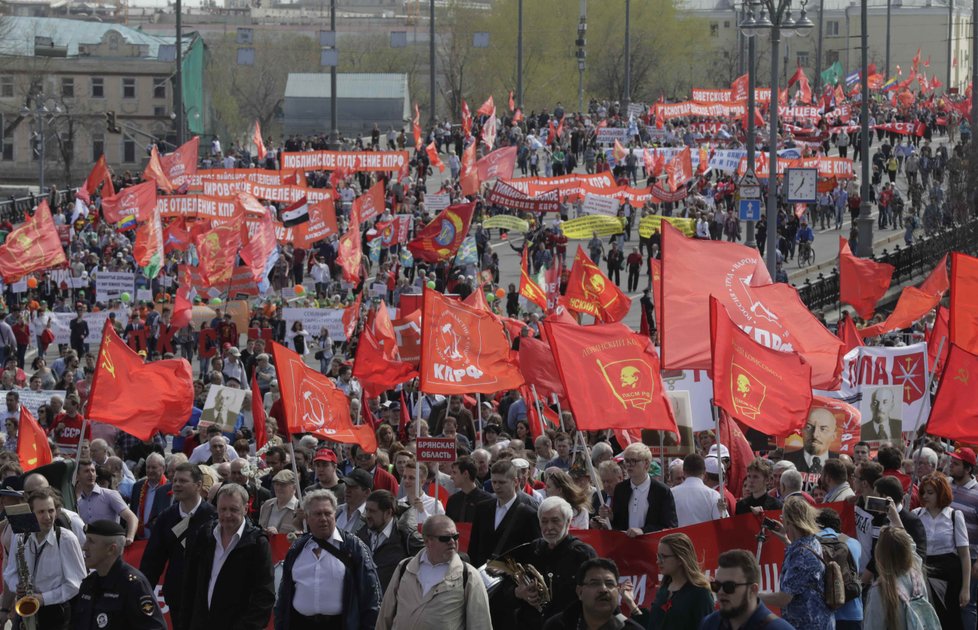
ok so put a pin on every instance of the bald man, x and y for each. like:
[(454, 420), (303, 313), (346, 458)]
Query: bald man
[(819, 433), (884, 422), (65, 517)]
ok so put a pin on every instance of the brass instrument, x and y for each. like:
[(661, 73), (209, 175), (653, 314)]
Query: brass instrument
[(28, 605), (523, 575)]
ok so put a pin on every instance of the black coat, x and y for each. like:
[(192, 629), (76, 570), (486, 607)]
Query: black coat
[(662, 507), (559, 567), (461, 506), (166, 551), (161, 500), (400, 545), (122, 600), (519, 526), (245, 590)]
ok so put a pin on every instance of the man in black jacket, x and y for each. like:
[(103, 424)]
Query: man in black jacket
[(640, 504), (229, 582), (390, 539), (505, 523), (461, 505), (173, 533), (150, 495)]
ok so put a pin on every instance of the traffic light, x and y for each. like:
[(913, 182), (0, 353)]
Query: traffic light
[(111, 123)]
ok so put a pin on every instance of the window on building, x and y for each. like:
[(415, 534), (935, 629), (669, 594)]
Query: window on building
[(803, 59), (7, 154), (98, 87), (67, 87), (832, 28), (98, 146), (159, 87), (714, 30), (831, 56), (726, 24), (7, 87), (129, 88), (128, 151), (159, 112)]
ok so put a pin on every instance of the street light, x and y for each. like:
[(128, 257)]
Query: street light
[(39, 115), (777, 19)]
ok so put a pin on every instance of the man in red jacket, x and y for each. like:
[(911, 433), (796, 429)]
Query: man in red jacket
[(383, 480)]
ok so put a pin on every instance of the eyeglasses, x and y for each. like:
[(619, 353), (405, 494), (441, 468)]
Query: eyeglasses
[(446, 538), (728, 587), (634, 461), (608, 584)]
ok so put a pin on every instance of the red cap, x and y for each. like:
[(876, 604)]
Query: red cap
[(966, 455), (325, 455)]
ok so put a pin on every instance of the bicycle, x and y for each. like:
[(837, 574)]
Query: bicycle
[(806, 254)]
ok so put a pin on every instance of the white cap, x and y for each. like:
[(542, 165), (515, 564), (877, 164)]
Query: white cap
[(712, 465), (521, 463), (724, 451)]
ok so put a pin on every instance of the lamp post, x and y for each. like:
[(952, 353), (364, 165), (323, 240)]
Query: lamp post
[(178, 77), (39, 113), (864, 222), (334, 132), (627, 97), (776, 18), (751, 130), (519, 54)]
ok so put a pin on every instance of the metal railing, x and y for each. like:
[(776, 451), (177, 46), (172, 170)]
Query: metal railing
[(908, 262), (14, 209)]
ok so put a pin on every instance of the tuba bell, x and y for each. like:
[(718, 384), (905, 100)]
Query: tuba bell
[(523, 575)]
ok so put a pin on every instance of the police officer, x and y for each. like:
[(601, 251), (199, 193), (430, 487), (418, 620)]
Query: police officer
[(115, 595)]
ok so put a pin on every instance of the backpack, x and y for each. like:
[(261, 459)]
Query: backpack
[(920, 614), (840, 584)]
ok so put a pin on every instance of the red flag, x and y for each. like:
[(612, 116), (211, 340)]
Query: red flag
[(217, 250), (512, 103), (440, 239), (937, 343), (155, 172), (530, 289), (433, 158), (517, 115), (741, 454), (804, 89), (321, 224), (912, 305), (851, 339), (938, 282), (258, 414), (33, 449), (313, 404), (862, 282), (182, 163), (463, 350), (680, 169), (488, 108), (139, 398), (182, 308), (259, 249), (148, 249), (916, 61), (34, 245), (135, 200), (378, 364), (538, 368), (765, 389), (408, 329), (176, 237), (351, 316), (611, 377), (963, 316), (416, 128), (258, 142), (498, 165), (350, 251), (955, 411), (739, 88), (370, 204), (539, 415), (590, 291), (468, 177), (477, 300), (466, 119), (100, 174), (488, 134)]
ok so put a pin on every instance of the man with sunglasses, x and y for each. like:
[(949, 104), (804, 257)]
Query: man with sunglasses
[(436, 590), (737, 583)]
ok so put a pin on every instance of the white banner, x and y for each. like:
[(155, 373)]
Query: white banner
[(34, 399), (608, 135), (109, 285), (696, 387), (600, 204), (314, 320), (437, 203), (61, 325)]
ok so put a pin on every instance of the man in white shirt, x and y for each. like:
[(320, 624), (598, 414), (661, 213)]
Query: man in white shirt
[(53, 560), (423, 504), (202, 453), (695, 502), (359, 485)]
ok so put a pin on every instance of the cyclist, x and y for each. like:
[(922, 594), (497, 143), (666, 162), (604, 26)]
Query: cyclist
[(804, 237)]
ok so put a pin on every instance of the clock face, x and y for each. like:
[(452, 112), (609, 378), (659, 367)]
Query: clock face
[(801, 185)]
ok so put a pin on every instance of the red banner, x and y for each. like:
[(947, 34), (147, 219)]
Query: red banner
[(504, 194), (352, 160)]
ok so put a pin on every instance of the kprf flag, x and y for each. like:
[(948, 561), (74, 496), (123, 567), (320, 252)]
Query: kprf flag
[(530, 289), (765, 389), (136, 201), (370, 204), (469, 175), (862, 282), (217, 250), (610, 376), (32, 246), (590, 291), (378, 365), (139, 398), (679, 170), (955, 411), (464, 350), (440, 239), (497, 165), (258, 142), (154, 171), (313, 404), (148, 249), (182, 163), (963, 319), (33, 449)]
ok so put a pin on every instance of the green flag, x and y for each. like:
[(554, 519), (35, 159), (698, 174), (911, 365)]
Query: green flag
[(833, 74)]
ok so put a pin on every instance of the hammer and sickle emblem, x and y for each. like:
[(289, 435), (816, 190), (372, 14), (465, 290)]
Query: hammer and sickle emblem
[(962, 376), (107, 363)]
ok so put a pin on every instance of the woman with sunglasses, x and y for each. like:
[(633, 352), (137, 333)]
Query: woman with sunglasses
[(802, 574), (684, 598)]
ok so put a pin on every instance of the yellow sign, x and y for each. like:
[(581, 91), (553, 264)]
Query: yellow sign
[(654, 222), (506, 222), (585, 227)]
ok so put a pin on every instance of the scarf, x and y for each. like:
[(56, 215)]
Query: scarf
[(141, 529)]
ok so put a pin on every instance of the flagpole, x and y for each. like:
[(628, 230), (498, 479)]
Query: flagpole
[(716, 424), (920, 411), (295, 470), (478, 429), (590, 465), (662, 457), (539, 408)]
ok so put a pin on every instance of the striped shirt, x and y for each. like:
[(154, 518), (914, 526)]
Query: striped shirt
[(966, 500)]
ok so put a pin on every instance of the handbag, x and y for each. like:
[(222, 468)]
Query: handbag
[(47, 337)]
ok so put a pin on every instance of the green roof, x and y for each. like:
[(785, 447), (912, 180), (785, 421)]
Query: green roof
[(18, 39)]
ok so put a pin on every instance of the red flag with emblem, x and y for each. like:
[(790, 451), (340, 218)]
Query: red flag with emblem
[(954, 414), (378, 364), (963, 316), (530, 289), (862, 282), (590, 291), (139, 398), (258, 413), (32, 246), (370, 204), (469, 175), (440, 239), (217, 250), (610, 385), (739, 88), (258, 142), (679, 170), (33, 449), (182, 163), (765, 389), (464, 350), (313, 404), (135, 200)]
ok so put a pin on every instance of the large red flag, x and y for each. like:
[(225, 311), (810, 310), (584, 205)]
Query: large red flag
[(913, 304), (33, 449), (440, 239), (261, 245), (937, 343), (849, 334), (763, 388), (530, 289), (963, 316), (259, 143), (100, 174), (468, 177), (378, 364), (371, 203), (938, 282), (32, 246), (135, 200), (321, 224), (590, 291), (313, 404), (217, 250), (464, 350), (679, 170), (538, 368), (498, 165), (862, 282), (182, 163), (955, 411), (611, 377), (156, 172), (258, 414), (139, 398)]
